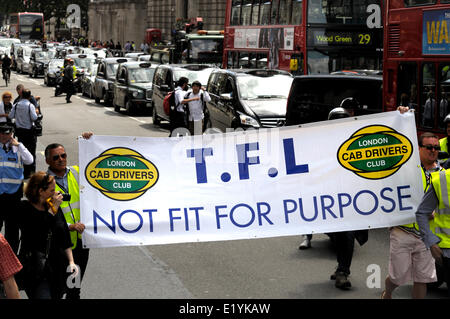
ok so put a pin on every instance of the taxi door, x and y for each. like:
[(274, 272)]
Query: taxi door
[(121, 87)]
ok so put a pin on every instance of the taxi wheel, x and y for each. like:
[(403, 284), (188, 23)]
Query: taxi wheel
[(116, 107), (155, 117), (129, 107), (106, 98)]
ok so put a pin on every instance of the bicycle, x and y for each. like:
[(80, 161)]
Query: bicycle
[(6, 75)]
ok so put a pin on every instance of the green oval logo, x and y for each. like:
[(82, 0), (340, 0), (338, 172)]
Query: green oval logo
[(375, 152), (121, 174)]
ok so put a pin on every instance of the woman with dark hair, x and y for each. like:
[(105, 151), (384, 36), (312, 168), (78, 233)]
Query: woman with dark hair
[(45, 239)]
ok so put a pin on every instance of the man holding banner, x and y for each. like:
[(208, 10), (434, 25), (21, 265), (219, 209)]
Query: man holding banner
[(409, 258), (436, 233), (67, 182)]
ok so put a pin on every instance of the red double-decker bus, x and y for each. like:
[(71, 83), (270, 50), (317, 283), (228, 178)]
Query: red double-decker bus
[(416, 69), (304, 36), (27, 25)]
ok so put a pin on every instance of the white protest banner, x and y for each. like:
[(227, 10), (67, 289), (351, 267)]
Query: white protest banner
[(347, 174)]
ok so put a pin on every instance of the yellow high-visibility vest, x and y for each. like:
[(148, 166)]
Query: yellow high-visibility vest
[(71, 209), (444, 148), (425, 187), (440, 225)]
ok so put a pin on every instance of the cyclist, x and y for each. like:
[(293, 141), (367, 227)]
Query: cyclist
[(6, 68)]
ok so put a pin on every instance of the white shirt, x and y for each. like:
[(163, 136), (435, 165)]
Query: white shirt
[(179, 96), (196, 107), (24, 154)]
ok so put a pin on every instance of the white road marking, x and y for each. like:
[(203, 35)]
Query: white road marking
[(140, 121)]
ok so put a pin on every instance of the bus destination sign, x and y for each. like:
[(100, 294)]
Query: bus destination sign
[(340, 38)]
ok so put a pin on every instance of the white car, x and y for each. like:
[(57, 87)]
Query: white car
[(5, 44), (23, 58)]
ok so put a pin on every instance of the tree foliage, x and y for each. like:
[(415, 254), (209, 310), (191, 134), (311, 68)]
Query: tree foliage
[(50, 8)]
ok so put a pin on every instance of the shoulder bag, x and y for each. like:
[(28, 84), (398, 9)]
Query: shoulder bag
[(34, 263)]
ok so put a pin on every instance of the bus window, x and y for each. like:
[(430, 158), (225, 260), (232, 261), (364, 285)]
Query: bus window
[(261, 61), (243, 60), (235, 12), (317, 63), (296, 18), (337, 11), (407, 85), (255, 13), (428, 99), (315, 12), (412, 3), (246, 12), (265, 13), (274, 14), (444, 81), (230, 60), (283, 16)]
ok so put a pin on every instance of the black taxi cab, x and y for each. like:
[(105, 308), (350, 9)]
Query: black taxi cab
[(39, 59), (104, 80), (133, 87)]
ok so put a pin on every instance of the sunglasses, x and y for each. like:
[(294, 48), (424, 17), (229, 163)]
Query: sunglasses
[(431, 147), (57, 157), (7, 97)]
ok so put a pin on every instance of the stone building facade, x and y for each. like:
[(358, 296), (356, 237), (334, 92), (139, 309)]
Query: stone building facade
[(163, 14), (118, 20), (127, 20)]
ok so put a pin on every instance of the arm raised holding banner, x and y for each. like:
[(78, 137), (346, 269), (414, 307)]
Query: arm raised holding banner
[(407, 252), (67, 183)]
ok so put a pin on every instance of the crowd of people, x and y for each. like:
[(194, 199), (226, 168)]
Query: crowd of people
[(129, 46), (40, 210), (48, 219)]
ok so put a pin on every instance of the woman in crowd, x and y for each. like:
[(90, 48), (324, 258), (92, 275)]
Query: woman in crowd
[(5, 106), (45, 237)]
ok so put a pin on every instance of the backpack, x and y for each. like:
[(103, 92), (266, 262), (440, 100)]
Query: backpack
[(169, 102), (201, 98)]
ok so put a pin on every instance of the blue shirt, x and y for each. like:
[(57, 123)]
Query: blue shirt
[(25, 114), (61, 181), (429, 203)]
